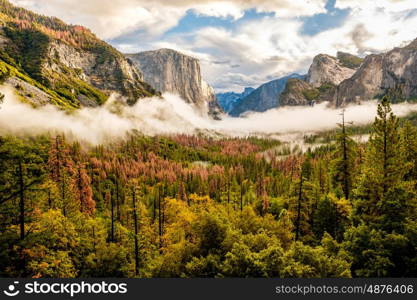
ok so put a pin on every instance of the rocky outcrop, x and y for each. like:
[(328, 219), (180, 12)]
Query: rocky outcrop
[(29, 93), (229, 100), (264, 97), (299, 92), (399, 77), (170, 71), (365, 84), (327, 69), (71, 64), (336, 80), (110, 72), (393, 73)]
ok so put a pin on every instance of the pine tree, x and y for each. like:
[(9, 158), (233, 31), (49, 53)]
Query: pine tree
[(343, 165), (384, 171), (301, 206), (110, 202), (182, 194), (325, 218), (135, 224), (22, 168), (409, 137), (286, 233)]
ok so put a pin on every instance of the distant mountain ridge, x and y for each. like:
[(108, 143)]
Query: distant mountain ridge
[(264, 97), (48, 61), (341, 80), (324, 75), (230, 99)]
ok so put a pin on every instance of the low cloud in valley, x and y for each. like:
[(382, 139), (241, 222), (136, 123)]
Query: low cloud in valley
[(171, 115)]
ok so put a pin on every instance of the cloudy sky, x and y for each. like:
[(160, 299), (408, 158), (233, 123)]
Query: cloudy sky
[(243, 42)]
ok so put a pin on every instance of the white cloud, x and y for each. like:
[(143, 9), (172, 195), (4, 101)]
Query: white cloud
[(387, 5), (275, 46), (256, 50), (110, 18)]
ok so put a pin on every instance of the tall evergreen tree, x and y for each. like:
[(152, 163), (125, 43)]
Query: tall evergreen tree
[(409, 136), (135, 224), (384, 167), (343, 165), (301, 203), (22, 165)]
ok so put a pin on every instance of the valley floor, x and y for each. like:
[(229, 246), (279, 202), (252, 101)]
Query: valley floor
[(189, 206)]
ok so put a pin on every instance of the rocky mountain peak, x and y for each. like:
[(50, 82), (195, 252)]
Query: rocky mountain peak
[(393, 73), (168, 70), (327, 69), (412, 45)]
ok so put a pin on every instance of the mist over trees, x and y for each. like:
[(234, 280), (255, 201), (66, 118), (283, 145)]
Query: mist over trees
[(190, 206)]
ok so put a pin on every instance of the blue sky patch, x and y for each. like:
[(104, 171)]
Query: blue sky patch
[(334, 17), (193, 21)]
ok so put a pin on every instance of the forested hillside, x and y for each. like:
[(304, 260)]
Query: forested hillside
[(49, 61), (187, 206)]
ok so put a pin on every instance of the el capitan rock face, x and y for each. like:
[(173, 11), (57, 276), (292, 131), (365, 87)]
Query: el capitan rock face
[(170, 71)]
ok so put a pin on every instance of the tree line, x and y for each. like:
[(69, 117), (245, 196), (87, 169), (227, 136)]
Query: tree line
[(191, 206)]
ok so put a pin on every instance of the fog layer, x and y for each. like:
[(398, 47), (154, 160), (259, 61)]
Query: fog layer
[(171, 115)]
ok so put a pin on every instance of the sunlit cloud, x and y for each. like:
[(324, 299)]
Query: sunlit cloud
[(254, 50)]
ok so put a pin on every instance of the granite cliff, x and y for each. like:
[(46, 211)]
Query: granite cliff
[(63, 64), (349, 79), (170, 71), (393, 73), (327, 69)]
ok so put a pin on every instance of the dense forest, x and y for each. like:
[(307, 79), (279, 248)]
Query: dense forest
[(194, 206)]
